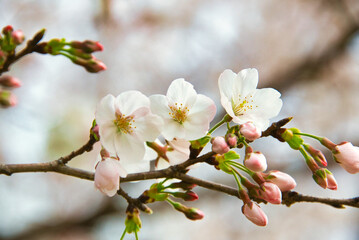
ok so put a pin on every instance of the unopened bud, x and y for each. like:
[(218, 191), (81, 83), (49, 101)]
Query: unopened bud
[(87, 46), (95, 65), (7, 30), (316, 154), (284, 181), (17, 37), (9, 81), (250, 131), (255, 214), (187, 196), (232, 140), (182, 185), (271, 193), (7, 99), (347, 156), (255, 161), (219, 145), (324, 178)]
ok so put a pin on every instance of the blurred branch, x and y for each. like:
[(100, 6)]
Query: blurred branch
[(311, 65)]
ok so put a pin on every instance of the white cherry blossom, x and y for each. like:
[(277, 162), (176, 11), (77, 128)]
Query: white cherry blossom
[(186, 114), (243, 102), (125, 123)]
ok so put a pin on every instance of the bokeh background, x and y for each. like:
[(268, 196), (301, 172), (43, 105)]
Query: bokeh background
[(308, 50)]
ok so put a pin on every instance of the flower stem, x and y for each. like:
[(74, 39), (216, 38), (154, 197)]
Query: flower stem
[(225, 119), (310, 135), (237, 180), (241, 167), (123, 234)]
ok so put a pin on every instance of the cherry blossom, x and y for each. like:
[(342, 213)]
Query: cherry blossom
[(255, 214), (243, 102), (107, 176), (125, 123), (186, 114)]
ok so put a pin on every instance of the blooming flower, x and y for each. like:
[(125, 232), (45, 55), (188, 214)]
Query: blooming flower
[(255, 214), (348, 156), (186, 114), (125, 123), (284, 181), (175, 152), (107, 176), (243, 102)]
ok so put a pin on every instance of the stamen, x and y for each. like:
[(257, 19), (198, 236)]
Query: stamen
[(123, 123), (178, 113), (241, 107)]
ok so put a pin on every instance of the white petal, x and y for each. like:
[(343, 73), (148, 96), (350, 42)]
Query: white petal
[(203, 106), (105, 110), (225, 83), (249, 79), (195, 129), (108, 132), (173, 129), (162, 164), (159, 106), (268, 102), (180, 152), (148, 128), (181, 91), (128, 102), (129, 148)]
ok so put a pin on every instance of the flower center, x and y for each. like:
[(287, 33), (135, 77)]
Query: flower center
[(241, 106), (179, 113), (123, 123)]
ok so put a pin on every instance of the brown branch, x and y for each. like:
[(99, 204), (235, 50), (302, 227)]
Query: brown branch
[(177, 171), (134, 201)]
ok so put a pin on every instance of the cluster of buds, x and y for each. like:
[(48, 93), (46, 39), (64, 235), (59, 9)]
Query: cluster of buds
[(7, 97), (9, 40), (344, 153), (78, 52)]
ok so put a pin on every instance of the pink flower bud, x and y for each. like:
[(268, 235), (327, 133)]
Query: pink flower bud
[(250, 131), (255, 161), (255, 214), (95, 65), (219, 145), (9, 81), (107, 176), (284, 181), (316, 154), (271, 193), (8, 29), (194, 214), (18, 37), (92, 46), (7, 99), (232, 140), (348, 156), (324, 178)]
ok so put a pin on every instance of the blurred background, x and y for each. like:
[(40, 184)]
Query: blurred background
[(308, 50)]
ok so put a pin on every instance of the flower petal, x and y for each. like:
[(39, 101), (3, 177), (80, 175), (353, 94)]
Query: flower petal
[(129, 149), (159, 106), (108, 132), (128, 102), (105, 110), (181, 91), (249, 79), (173, 129), (148, 128)]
